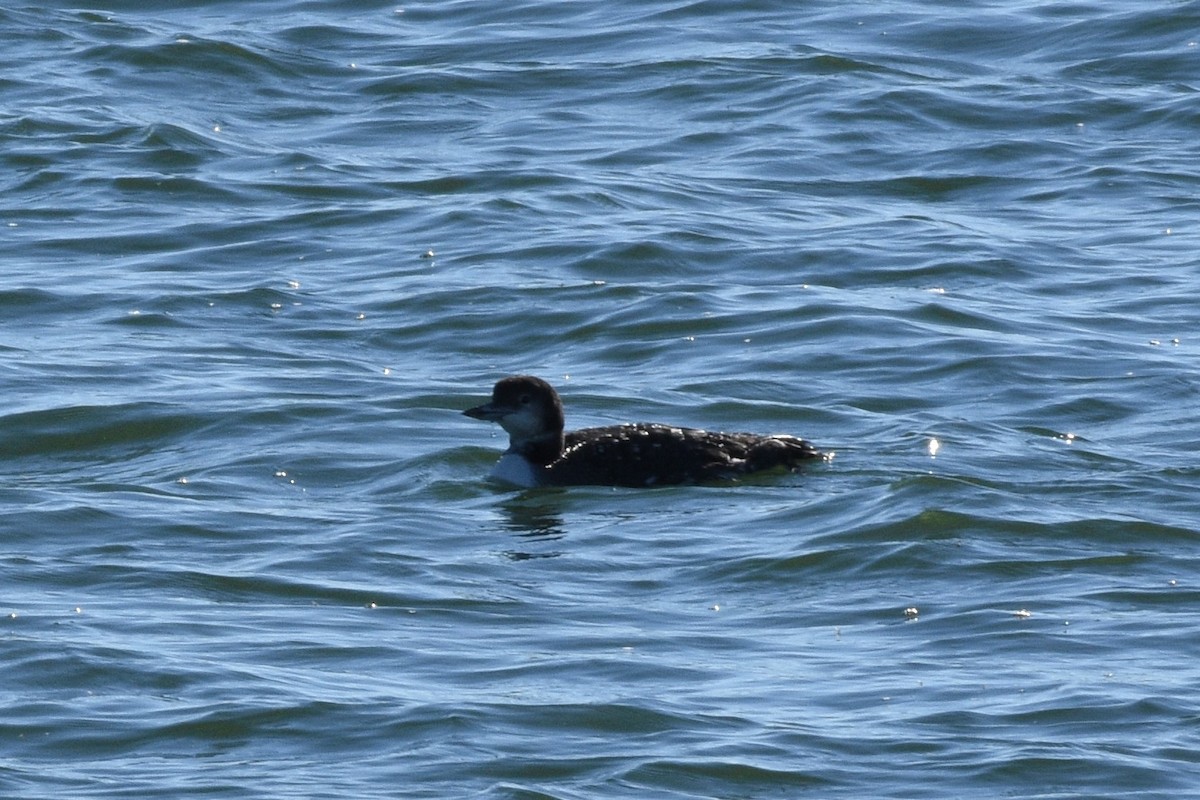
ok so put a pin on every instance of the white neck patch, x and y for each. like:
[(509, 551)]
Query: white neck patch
[(515, 469)]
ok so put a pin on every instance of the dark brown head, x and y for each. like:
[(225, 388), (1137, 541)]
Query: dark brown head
[(530, 412)]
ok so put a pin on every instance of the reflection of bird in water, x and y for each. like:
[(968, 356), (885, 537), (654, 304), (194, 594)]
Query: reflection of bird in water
[(536, 525), (534, 521)]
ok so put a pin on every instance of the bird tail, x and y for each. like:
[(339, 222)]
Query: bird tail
[(781, 451)]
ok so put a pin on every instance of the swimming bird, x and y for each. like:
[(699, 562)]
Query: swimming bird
[(540, 453)]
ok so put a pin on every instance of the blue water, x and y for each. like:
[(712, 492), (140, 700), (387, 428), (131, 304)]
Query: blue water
[(256, 258)]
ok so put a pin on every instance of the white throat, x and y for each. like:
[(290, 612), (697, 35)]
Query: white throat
[(515, 469)]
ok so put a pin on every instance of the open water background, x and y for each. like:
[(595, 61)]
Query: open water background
[(247, 551)]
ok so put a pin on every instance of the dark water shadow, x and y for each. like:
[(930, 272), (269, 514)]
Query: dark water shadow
[(535, 517)]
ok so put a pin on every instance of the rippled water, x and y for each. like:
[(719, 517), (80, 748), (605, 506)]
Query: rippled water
[(256, 258)]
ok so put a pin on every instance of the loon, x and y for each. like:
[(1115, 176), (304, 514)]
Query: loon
[(639, 454)]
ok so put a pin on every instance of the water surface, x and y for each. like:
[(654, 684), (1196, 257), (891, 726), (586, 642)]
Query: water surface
[(255, 261)]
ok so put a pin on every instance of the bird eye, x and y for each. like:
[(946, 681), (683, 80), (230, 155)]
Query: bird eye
[(524, 399)]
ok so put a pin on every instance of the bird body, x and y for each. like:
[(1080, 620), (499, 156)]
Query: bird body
[(541, 453)]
